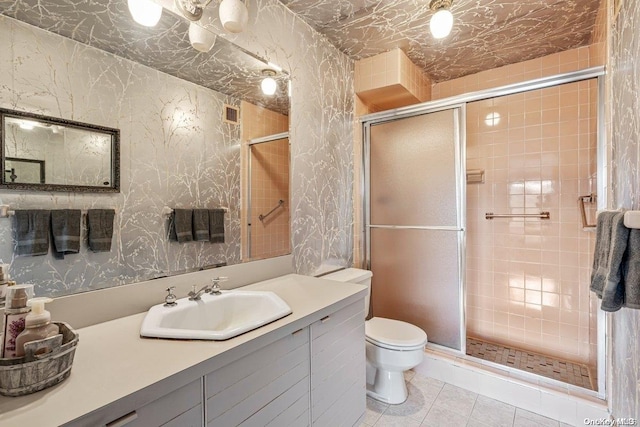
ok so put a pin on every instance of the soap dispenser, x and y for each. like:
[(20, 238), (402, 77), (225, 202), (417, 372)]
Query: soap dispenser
[(15, 313), (38, 325)]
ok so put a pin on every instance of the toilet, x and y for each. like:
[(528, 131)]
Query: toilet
[(392, 346)]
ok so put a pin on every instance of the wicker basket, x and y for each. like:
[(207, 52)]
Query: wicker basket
[(37, 370)]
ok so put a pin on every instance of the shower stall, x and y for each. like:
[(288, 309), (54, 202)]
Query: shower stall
[(267, 216), (479, 213)]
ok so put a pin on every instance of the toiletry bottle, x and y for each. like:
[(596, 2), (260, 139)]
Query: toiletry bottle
[(15, 313), (4, 281), (38, 325)]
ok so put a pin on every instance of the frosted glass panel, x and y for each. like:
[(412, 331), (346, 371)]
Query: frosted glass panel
[(412, 171), (416, 279)]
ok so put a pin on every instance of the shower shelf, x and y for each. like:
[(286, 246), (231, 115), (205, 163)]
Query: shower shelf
[(541, 215)]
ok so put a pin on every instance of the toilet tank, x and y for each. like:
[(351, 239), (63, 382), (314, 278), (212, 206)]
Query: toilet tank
[(354, 275)]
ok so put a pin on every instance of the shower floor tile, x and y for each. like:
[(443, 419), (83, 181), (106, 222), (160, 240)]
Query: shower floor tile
[(547, 366)]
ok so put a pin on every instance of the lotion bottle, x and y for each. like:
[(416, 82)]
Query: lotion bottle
[(15, 313), (38, 325)]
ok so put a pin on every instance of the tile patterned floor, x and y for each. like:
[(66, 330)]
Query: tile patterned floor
[(550, 367), (432, 403)]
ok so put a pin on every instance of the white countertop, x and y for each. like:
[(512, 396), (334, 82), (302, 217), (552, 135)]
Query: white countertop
[(112, 361)]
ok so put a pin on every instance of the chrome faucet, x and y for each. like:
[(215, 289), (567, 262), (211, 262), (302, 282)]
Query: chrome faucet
[(195, 295), (213, 288)]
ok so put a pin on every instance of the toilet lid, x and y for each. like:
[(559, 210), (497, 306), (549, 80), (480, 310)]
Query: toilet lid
[(394, 333)]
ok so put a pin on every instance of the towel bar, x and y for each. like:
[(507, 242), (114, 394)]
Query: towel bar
[(167, 211), (262, 217), (541, 215), (5, 212)]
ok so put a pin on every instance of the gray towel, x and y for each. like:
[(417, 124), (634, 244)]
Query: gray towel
[(65, 227), (200, 224), (100, 229), (601, 252), (182, 225), (632, 271), (613, 292), (32, 232), (216, 225)]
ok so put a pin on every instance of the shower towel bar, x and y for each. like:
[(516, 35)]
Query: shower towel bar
[(591, 198), (541, 215), (167, 211), (263, 217)]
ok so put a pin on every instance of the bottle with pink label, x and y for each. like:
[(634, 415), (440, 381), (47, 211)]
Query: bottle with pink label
[(15, 312)]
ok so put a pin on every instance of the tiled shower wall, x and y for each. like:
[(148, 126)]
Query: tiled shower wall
[(269, 182), (527, 280)]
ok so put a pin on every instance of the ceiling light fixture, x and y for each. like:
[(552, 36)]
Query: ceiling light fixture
[(442, 21), (192, 9), (233, 15), (145, 12), (269, 84), (201, 39)]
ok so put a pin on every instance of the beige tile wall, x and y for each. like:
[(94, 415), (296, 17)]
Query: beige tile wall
[(528, 279), (562, 62), (269, 182)]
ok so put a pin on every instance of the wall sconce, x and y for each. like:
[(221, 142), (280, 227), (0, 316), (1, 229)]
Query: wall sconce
[(268, 84), (442, 21), (192, 9), (145, 12), (201, 39)]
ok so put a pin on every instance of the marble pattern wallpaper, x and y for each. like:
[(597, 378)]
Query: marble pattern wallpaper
[(108, 26), (486, 33), (624, 95), (174, 154)]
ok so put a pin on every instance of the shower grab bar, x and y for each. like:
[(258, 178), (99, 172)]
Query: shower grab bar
[(591, 198), (541, 215), (263, 217)]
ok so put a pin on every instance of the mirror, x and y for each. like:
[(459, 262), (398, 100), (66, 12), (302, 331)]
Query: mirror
[(185, 119), (49, 154)]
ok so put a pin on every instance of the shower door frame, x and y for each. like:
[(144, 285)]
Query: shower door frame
[(460, 101)]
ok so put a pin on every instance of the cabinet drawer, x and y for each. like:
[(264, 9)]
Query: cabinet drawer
[(334, 320)]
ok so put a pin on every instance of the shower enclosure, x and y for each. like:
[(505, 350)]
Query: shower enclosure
[(478, 223), (268, 197)]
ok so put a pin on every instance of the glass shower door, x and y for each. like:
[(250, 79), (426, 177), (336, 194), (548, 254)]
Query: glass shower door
[(415, 223)]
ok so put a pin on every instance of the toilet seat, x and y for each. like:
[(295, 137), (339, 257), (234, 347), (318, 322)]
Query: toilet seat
[(394, 334)]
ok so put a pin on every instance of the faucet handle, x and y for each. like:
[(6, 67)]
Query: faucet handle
[(215, 285), (170, 299)]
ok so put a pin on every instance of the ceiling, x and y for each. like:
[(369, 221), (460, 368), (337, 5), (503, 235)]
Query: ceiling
[(486, 33), (107, 25)]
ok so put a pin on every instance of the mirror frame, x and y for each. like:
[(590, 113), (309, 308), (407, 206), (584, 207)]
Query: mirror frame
[(115, 155)]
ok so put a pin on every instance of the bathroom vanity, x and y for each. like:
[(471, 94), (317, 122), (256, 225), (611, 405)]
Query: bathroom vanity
[(305, 369)]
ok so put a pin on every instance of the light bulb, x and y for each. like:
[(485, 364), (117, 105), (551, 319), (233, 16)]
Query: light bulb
[(233, 15), (27, 125), (268, 86), (145, 12), (441, 23), (201, 39)]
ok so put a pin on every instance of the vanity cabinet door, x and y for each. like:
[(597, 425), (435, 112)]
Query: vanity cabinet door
[(269, 387), (181, 407), (338, 366)]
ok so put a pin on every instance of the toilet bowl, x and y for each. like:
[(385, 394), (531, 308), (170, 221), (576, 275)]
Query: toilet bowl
[(392, 346)]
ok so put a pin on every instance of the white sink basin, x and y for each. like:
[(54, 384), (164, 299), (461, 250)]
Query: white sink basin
[(214, 317)]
